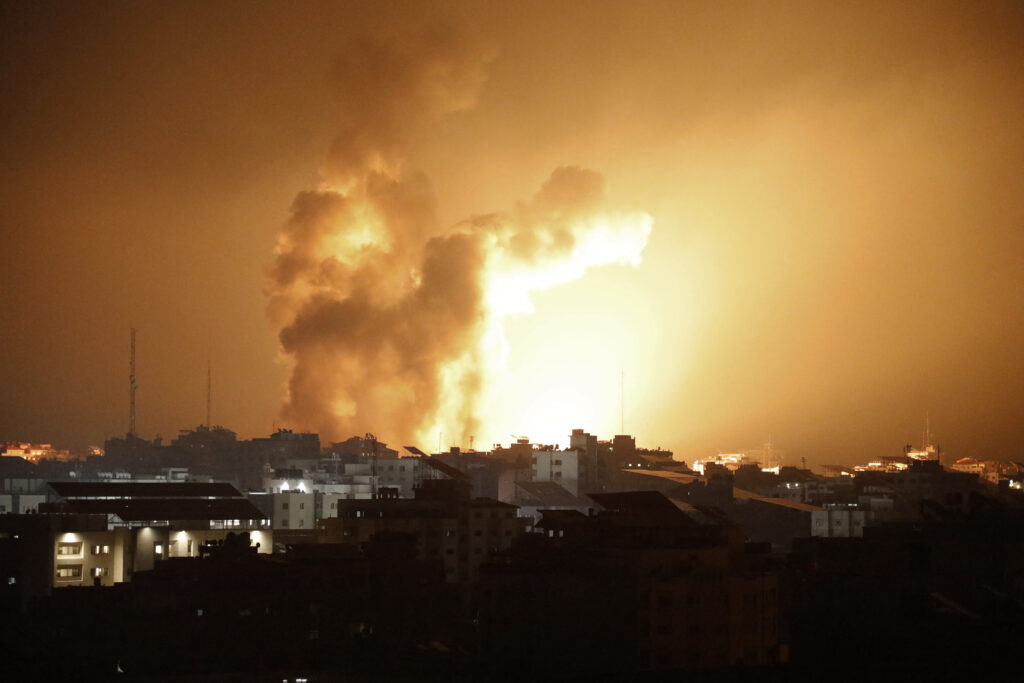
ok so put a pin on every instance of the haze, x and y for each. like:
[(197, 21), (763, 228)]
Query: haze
[(835, 194)]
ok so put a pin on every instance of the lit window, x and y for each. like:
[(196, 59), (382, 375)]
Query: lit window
[(106, 550), (71, 572), (159, 549), (96, 550), (69, 549)]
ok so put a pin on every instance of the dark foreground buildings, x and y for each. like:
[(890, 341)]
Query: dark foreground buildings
[(685, 584)]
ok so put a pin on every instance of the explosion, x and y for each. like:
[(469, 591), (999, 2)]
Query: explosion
[(390, 323)]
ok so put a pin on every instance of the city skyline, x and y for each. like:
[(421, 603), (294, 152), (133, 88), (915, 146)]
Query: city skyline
[(833, 250)]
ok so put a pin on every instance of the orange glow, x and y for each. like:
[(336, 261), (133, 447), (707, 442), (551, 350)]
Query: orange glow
[(834, 190), (508, 283)]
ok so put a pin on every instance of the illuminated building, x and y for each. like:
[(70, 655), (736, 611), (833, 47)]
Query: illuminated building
[(767, 458), (100, 533), (33, 452), (969, 465)]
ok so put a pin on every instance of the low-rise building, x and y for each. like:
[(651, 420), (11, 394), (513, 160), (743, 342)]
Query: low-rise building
[(99, 533)]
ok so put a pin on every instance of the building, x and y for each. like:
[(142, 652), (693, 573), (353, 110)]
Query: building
[(449, 526), (645, 584), (534, 497), (565, 468), (100, 533), (294, 510), (22, 486), (33, 452), (838, 520)]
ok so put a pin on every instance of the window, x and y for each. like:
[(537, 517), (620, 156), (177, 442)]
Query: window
[(284, 506), (69, 549), (99, 571), (71, 572), (159, 548), (106, 550), (302, 506), (334, 506), (190, 547), (96, 550)]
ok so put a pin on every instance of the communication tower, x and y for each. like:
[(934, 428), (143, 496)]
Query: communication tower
[(132, 387)]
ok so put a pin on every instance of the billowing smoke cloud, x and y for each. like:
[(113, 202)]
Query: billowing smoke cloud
[(392, 324)]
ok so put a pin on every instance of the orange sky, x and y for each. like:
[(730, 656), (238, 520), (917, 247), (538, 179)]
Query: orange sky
[(836, 249)]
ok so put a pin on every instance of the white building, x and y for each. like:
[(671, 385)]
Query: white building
[(100, 533), (562, 467), (838, 522), (294, 511)]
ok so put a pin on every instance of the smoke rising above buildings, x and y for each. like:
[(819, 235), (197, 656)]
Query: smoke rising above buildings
[(391, 322)]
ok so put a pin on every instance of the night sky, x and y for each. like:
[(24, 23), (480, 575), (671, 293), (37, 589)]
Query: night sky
[(321, 197)]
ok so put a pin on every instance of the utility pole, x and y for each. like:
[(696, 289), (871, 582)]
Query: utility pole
[(132, 387)]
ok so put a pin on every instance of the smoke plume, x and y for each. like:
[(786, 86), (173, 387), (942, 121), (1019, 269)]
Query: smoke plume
[(391, 323)]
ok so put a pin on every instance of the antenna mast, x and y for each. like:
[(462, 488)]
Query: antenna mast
[(131, 383), (622, 402), (208, 384)]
